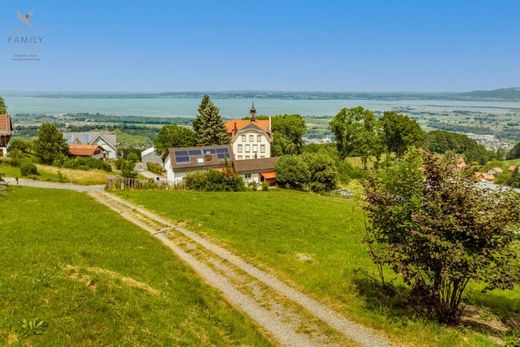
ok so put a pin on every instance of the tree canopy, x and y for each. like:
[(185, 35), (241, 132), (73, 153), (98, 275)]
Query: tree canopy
[(399, 133), (50, 144), (174, 136), (288, 131), (440, 141), (514, 153), (3, 107), (431, 224), (323, 172), (357, 133), (209, 125), (292, 171)]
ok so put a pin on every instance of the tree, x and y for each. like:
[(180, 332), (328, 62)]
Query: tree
[(400, 132), (50, 144), (172, 136), (292, 172), (514, 153), (440, 141), (288, 131), (209, 125), (432, 225), (323, 172), (3, 108), (357, 133)]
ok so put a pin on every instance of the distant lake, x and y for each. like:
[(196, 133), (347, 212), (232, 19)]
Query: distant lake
[(233, 107)]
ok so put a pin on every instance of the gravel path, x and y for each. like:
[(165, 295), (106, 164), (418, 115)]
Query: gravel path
[(289, 316), (53, 185)]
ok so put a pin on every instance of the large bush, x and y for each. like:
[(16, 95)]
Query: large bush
[(323, 173), (27, 168), (50, 144), (214, 181), (431, 224), (81, 163), (292, 172)]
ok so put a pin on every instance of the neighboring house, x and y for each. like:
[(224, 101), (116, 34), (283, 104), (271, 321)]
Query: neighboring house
[(257, 170), (86, 151), (250, 138), (178, 162), (6, 130), (495, 171), (150, 156), (108, 142)]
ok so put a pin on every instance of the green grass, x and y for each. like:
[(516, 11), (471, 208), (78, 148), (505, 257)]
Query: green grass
[(51, 174), (95, 279), (274, 229)]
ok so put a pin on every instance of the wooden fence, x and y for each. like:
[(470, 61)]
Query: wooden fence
[(122, 183)]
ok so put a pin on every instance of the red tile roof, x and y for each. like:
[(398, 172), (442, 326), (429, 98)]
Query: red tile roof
[(83, 150), (234, 125), (6, 125)]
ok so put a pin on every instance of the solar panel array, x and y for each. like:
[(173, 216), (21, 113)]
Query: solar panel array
[(185, 156)]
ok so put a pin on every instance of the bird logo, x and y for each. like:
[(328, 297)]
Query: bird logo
[(25, 18)]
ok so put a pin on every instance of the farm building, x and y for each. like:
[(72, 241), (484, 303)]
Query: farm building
[(86, 151), (6, 131), (108, 142), (257, 170)]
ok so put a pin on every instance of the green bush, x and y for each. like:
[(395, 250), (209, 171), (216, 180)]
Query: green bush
[(214, 181), (292, 172), (27, 168), (265, 186), (155, 168), (323, 172), (81, 163)]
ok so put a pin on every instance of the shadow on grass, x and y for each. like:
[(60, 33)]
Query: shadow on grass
[(396, 303)]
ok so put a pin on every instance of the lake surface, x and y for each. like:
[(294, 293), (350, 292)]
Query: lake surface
[(231, 108)]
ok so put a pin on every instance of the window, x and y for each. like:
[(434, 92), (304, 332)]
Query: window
[(262, 148), (69, 138), (243, 138), (85, 137), (240, 148), (240, 157), (251, 138), (248, 148), (262, 156), (247, 175), (247, 157), (258, 138), (255, 148)]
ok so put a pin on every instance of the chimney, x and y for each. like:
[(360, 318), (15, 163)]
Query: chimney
[(269, 123)]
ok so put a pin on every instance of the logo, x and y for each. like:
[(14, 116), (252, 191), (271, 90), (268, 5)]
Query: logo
[(25, 18), (25, 39)]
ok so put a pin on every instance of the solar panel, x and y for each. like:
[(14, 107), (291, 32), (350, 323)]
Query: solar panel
[(182, 159), (222, 150), (195, 152), (223, 156), (180, 153)]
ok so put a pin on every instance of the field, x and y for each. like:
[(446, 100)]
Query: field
[(52, 174), (74, 274), (315, 243)]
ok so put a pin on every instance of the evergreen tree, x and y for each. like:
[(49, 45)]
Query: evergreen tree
[(209, 125), (3, 108), (50, 144)]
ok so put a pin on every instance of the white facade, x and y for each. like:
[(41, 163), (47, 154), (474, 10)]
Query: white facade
[(172, 176), (110, 150), (251, 177), (251, 143), (3, 152)]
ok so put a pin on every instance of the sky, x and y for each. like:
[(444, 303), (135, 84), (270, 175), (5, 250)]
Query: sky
[(304, 45)]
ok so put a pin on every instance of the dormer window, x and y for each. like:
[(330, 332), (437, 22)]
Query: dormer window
[(243, 138)]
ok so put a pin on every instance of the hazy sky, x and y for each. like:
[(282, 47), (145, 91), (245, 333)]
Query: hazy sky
[(114, 45)]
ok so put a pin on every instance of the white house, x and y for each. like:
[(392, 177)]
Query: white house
[(6, 131), (150, 156), (250, 138), (178, 162), (108, 142)]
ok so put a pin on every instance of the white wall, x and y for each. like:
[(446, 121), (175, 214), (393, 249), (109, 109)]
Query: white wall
[(254, 177), (238, 140), (111, 152), (171, 176)]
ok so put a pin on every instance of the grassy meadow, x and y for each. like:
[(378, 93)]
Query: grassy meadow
[(56, 174), (75, 274), (315, 242)]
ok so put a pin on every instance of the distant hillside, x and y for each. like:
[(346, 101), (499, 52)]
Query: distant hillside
[(509, 94)]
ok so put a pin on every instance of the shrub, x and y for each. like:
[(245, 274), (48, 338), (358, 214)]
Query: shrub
[(214, 181), (252, 185), (81, 163), (27, 168), (155, 168), (127, 169), (323, 173), (431, 224), (265, 186), (292, 172)]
